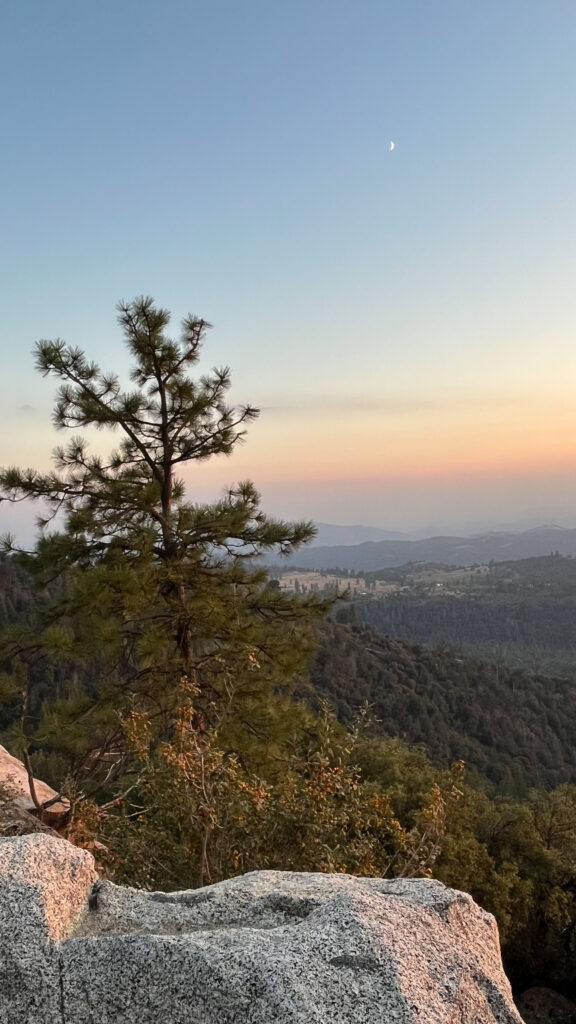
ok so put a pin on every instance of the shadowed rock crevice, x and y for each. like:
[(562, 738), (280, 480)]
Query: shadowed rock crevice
[(123, 911)]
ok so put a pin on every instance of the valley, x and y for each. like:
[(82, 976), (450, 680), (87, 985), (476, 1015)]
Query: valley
[(518, 614)]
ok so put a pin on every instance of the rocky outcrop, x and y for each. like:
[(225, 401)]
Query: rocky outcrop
[(44, 886), (544, 1006), (15, 793), (266, 948)]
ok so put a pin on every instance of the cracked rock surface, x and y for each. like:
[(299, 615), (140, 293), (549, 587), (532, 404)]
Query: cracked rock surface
[(263, 948)]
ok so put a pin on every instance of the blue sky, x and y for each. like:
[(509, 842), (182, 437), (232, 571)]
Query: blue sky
[(405, 319)]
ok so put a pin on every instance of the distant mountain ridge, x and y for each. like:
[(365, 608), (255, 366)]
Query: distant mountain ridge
[(384, 554), (328, 534)]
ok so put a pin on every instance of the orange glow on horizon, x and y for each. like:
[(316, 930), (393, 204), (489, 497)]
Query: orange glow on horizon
[(521, 439)]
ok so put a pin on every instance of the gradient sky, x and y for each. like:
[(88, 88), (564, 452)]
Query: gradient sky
[(405, 320)]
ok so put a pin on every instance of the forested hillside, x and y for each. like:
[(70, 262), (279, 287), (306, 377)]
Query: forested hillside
[(363, 803), (16, 592), (514, 728), (520, 614)]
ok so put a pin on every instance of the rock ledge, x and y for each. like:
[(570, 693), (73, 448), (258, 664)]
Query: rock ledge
[(263, 948)]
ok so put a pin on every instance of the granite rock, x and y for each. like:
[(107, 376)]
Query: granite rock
[(44, 886), (540, 1005), (266, 947), (15, 784)]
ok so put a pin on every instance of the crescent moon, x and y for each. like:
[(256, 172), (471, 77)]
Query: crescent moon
[(392, 146)]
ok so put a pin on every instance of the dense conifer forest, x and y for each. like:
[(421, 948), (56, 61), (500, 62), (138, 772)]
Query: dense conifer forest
[(515, 729), (520, 614)]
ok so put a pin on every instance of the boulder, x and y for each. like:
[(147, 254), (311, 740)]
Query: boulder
[(45, 883), (540, 1005), (16, 822), (15, 787), (266, 948)]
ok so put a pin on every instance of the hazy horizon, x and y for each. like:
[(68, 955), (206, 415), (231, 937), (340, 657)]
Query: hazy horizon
[(19, 521)]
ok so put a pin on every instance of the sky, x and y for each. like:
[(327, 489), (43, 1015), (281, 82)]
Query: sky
[(404, 318)]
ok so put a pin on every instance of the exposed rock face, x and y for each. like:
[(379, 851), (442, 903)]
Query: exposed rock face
[(44, 885), (267, 947), (15, 784)]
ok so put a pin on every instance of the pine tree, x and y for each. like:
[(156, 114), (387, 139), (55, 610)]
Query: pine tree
[(146, 586)]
